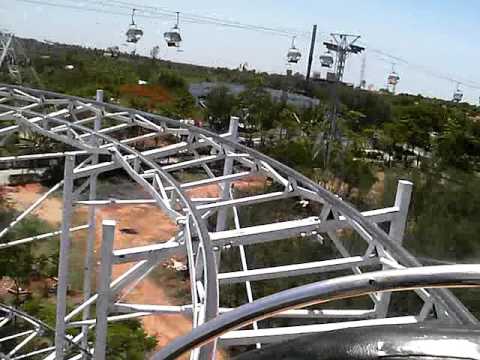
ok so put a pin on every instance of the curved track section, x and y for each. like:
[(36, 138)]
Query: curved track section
[(25, 337), (211, 187)]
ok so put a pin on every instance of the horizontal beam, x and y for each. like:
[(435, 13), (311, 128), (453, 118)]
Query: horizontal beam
[(256, 199), (291, 314), (378, 215), (273, 335), (114, 318), (295, 269), (34, 353), (293, 228), (164, 250), (11, 337), (40, 237), (165, 151), (215, 180), (37, 156), (269, 232), (193, 163)]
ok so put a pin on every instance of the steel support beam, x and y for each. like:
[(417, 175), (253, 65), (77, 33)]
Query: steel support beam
[(296, 269), (396, 233), (103, 302), (92, 222), (63, 265)]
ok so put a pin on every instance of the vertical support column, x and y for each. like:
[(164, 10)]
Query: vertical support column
[(103, 302), (402, 201), (99, 95), (396, 233), (312, 50), (92, 225), (63, 263), (225, 190)]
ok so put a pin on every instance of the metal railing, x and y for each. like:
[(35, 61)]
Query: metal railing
[(322, 292)]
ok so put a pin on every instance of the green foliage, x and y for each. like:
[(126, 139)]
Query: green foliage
[(443, 217), (21, 261), (169, 79), (128, 341), (125, 340), (296, 154), (41, 309), (220, 106), (459, 143)]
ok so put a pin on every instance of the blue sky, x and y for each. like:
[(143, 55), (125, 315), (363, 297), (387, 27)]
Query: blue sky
[(437, 34)]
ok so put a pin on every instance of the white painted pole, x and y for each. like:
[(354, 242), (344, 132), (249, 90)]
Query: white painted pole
[(227, 170), (225, 187), (396, 232), (99, 95), (90, 251), (63, 265), (103, 302), (402, 201)]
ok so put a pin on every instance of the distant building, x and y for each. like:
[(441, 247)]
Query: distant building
[(201, 90)]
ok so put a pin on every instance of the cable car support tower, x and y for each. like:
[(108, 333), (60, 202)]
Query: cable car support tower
[(342, 45), (8, 58)]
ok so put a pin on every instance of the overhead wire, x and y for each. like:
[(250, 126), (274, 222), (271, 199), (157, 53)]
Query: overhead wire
[(155, 12), (159, 13)]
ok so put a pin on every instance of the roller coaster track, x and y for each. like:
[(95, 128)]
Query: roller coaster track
[(102, 137)]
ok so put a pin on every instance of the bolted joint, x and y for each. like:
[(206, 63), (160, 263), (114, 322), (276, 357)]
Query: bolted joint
[(181, 221)]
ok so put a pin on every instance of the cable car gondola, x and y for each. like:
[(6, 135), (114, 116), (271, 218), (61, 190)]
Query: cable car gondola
[(326, 60), (294, 55), (393, 78), (458, 94), (134, 33), (173, 37)]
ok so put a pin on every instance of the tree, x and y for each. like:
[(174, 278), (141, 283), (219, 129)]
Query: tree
[(459, 144), (220, 106), (19, 262), (262, 112), (127, 340)]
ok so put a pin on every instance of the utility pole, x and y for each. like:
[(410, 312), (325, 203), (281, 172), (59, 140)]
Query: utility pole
[(312, 50), (342, 45)]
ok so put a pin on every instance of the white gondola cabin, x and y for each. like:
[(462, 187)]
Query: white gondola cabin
[(134, 33), (173, 37), (326, 60), (457, 95), (294, 55)]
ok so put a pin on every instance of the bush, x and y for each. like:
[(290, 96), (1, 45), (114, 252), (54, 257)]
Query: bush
[(170, 80)]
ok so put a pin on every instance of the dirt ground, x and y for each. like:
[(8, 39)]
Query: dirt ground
[(23, 196), (151, 226)]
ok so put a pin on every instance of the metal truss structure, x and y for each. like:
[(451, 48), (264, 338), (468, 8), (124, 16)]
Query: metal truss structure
[(102, 137), (8, 57)]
